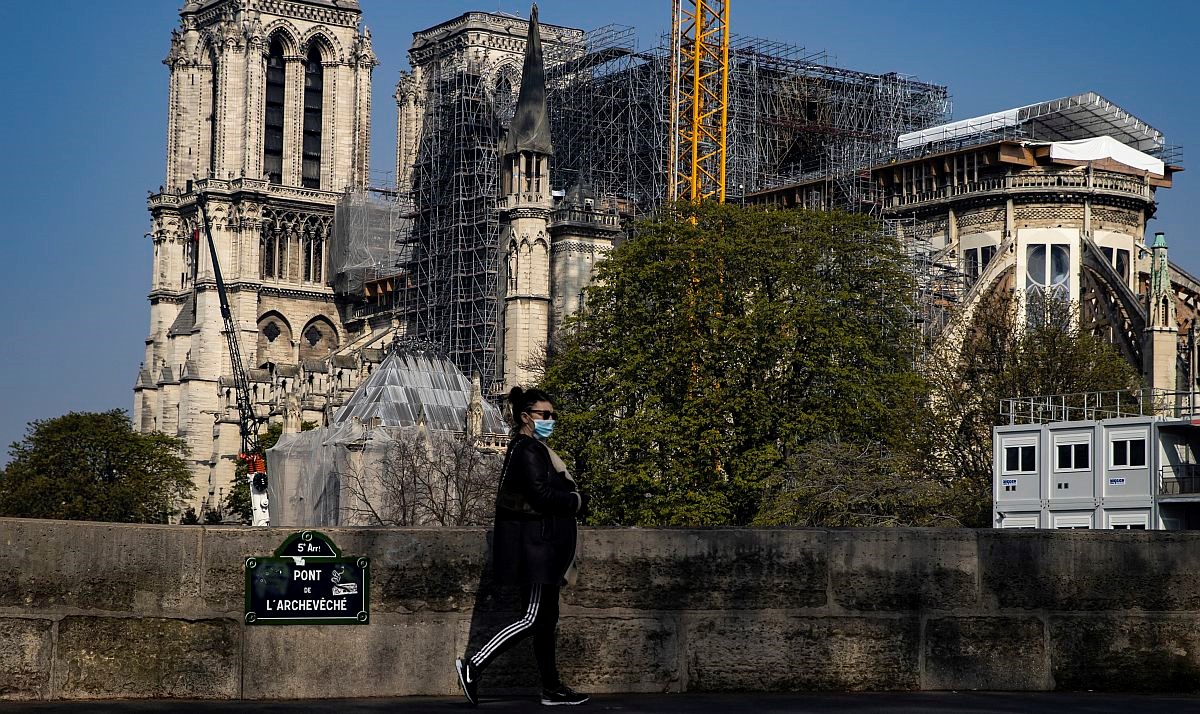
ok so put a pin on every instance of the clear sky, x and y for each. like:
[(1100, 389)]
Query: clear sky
[(83, 128)]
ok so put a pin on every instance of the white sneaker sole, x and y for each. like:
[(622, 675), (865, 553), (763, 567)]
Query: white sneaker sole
[(462, 680), (548, 703)]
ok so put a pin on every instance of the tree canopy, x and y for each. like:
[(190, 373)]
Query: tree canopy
[(720, 340), (94, 466)]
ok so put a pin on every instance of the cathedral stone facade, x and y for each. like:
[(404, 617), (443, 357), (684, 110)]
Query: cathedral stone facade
[(268, 122), (268, 127)]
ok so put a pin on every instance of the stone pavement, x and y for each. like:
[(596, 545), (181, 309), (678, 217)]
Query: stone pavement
[(692, 703)]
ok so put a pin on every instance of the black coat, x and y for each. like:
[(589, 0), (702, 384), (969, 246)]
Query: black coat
[(535, 518)]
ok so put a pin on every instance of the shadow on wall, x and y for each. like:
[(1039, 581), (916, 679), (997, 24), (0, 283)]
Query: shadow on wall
[(1137, 634), (496, 607)]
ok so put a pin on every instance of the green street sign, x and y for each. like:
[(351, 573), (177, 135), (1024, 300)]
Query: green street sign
[(308, 581)]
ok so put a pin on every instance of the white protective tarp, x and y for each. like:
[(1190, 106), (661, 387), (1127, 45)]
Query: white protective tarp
[(963, 127), (319, 477), (1104, 147)]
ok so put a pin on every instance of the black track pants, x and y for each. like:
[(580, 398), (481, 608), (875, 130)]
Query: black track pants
[(540, 620)]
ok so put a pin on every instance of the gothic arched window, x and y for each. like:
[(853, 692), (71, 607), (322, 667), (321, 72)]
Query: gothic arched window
[(274, 252), (314, 258), (1047, 286), (273, 119), (314, 85)]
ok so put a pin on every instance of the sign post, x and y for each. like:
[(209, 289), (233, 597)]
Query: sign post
[(307, 582)]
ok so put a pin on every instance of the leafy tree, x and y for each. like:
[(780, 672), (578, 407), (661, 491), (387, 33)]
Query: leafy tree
[(1056, 356), (422, 479), (718, 342), (189, 517), (832, 484), (94, 466)]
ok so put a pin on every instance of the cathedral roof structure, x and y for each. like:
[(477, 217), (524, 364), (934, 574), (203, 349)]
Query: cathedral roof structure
[(412, 385), (530, 128), (185, 321)]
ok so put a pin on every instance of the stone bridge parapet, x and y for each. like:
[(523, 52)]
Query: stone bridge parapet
[(96, 610)]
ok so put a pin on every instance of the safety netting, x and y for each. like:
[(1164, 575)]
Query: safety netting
[(364, 243), (346, 474)]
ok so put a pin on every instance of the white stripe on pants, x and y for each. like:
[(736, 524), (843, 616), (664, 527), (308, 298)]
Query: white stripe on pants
[(515, 629)]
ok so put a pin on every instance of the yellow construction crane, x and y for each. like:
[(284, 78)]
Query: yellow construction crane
[(699, 99)]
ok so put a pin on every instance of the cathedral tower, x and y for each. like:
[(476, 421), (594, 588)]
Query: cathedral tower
[(525, 216), (268, 121)]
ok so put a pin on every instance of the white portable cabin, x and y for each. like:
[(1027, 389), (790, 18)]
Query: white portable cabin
[(1128, 471)]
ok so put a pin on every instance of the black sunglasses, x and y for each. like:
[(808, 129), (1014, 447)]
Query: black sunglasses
[(552, 416)]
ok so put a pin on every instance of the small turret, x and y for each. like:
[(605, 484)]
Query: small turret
[(1161, 308), (1160, 350), (474, 425)]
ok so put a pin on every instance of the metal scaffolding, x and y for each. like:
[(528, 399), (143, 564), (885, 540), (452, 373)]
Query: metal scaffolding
[(792, 117)]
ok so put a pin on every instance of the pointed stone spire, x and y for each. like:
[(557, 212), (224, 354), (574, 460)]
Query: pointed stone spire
[(1161, 298), (1160, 350), (530, 128)]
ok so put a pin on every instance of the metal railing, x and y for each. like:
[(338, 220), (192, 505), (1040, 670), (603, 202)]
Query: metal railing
[(1179, 480), (1032, 180), (1094, 406)]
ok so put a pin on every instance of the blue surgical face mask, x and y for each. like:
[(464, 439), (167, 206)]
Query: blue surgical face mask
[(543, 428)]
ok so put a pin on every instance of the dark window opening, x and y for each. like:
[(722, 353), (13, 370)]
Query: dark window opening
[(1019, 459), (273, 120), (1129, 452), (314, 84), (314, 259), (213, 134), (1072, 456)]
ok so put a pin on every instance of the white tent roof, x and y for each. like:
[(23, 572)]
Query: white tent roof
[(1081, 116)]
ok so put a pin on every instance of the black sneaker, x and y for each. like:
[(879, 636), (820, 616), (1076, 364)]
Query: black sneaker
[(562, 695), (468, 677)]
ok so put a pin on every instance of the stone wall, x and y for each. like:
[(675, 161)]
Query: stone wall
[(90, 610)]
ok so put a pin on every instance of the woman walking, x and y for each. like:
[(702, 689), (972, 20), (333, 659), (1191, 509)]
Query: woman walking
[(534, 544)]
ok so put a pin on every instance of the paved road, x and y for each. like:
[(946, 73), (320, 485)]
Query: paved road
[(887, 703)]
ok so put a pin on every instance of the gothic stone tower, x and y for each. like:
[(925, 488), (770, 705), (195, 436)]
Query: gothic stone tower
[(445, 57), (525, 216), (268, 122)]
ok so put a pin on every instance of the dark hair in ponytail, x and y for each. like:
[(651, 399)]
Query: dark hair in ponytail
[(520, 400)]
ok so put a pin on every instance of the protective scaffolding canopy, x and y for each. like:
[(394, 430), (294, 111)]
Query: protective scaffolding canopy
[(364, 241), (791, 115), (330, 476), (1080, 116)]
